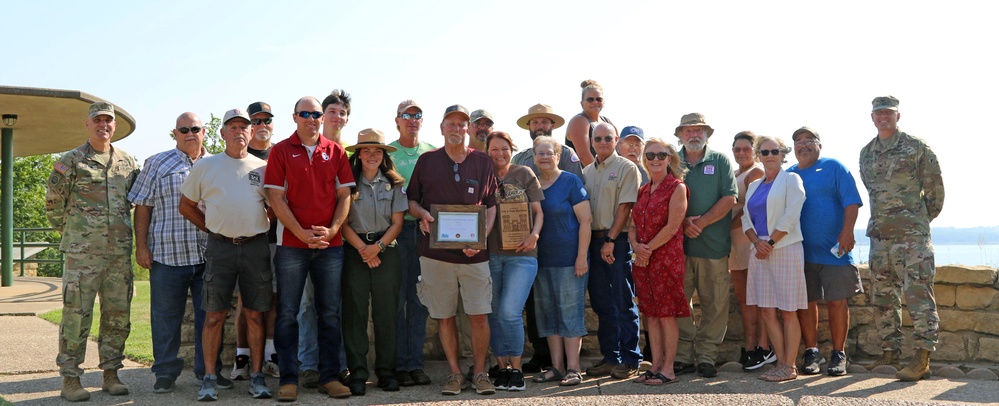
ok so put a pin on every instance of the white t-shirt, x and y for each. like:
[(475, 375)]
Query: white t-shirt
[(232, 191)]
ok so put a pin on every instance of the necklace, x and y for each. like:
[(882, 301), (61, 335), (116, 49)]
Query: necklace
[(406, 150)]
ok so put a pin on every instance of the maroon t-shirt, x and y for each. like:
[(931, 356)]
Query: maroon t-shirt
[(433, 183)]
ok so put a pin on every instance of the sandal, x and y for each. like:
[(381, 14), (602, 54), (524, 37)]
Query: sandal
[(785, 373), (572, 378), (645, 376), (659, 379), (766, 376), (549, 375)]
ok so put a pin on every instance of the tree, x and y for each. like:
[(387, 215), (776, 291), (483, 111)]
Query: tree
[(213, 140), (30, 176)]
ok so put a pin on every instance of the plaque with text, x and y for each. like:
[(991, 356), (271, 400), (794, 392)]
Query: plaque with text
[(514, 224), (458, 226)]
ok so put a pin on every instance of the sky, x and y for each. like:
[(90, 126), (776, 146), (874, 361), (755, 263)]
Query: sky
[(767, 66)]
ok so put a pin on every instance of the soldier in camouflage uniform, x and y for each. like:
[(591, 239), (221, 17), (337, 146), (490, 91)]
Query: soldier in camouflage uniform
[(902, 176), (87, 203)]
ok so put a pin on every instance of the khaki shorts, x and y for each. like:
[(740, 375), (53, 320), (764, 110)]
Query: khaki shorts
[(441, 281)]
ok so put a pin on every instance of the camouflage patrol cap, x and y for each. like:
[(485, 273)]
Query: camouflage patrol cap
[(480, 114), (884, 102), (456, 108), (101, 108), (802, 130)]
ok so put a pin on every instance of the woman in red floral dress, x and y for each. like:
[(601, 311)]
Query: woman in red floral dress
[(656, 236)]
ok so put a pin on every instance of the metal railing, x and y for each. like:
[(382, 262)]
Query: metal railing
[(21, 245)]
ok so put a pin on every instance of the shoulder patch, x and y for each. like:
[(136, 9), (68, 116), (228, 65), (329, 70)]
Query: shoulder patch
[(54, 179), (58, 166), (573, 158)]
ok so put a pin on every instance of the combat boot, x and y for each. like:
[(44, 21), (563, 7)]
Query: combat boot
[(72, 390), (918, 368), (112, 384), (889, 357)]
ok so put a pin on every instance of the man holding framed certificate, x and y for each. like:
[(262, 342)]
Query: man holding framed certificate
[(458, 212)]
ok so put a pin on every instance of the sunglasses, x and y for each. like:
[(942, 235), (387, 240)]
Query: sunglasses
[(185, 130), (606, 138), (767, 152), (306, 114), (407, 116), (656, 155), (457, 177), (257, 121), (595, 99)]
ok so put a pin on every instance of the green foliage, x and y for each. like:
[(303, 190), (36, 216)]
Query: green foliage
[(139, 346), (30, 176), (213, 140)]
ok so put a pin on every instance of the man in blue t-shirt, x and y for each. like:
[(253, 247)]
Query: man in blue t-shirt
[(827, 220)]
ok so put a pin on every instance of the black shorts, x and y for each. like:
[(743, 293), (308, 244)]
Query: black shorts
[(227, 264)]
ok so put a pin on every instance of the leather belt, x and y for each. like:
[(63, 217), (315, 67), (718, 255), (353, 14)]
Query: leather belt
[(371, 237), (598, 234), (237, 240)]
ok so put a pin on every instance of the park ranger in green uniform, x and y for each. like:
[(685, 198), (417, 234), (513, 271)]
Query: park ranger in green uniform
[(902, 176), (86, 202)]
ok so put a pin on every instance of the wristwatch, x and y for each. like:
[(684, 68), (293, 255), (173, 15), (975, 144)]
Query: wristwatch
[(381, 245), (771, 242), (607, 239)]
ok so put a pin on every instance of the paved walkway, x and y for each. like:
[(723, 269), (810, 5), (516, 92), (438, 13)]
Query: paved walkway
[(28, 376)]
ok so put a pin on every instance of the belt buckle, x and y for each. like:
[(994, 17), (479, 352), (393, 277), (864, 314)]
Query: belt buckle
[(369, 236)]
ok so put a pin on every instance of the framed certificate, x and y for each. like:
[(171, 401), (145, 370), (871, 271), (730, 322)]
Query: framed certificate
[(458, 226)]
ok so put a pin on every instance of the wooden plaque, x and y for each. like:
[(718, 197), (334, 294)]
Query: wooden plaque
[(458, 226)]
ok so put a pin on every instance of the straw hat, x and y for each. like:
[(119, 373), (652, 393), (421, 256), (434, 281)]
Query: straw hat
[(693, 120), (540, 110), (370, 137)]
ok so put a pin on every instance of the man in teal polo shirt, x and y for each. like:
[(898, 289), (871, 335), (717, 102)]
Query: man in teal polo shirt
[(712, 194)]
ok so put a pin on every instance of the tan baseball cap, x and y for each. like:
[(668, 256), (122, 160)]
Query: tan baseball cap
[(406, 104)]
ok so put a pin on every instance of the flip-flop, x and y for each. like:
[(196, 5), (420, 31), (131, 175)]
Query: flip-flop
[(549, 375), (663, 380), (644, 377), (572, 378)]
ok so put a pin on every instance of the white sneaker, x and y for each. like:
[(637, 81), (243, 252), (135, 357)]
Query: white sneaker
[(241, 369), (271, 368)]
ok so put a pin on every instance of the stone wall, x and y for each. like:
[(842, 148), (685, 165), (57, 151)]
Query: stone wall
[(967, 297)]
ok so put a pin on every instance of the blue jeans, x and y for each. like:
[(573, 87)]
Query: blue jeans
[(325, 267), (168, 288), (512, 277), (308, 332), (560, 301), (612, 293), (411, 319)]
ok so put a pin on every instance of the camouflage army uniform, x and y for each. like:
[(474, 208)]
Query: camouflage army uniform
[(86, 202), (906, 190)]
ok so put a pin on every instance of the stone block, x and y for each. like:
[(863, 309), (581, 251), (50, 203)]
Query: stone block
[(949, 373), (988, 349), (945, 295), (590, 346), (591, 321), (868, 341), (861, 316), (955, 320), (976, 297), (186, 352), (952, 347), (976, 275), (982, 374)]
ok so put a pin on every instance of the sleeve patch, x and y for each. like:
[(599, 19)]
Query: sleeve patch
[(60, 167)]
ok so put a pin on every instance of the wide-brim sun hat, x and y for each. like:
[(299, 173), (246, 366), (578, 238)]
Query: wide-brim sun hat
[(693, 120), (370, 137), (540, 110)]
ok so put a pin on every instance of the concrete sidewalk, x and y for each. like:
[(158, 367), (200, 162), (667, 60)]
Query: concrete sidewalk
[(29, 376)]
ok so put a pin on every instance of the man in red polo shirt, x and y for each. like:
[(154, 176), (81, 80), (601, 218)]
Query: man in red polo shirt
[(301, 183)]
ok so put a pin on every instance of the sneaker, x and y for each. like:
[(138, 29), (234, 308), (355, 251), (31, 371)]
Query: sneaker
[(768, 355), (758, 358), (309, 378), (241, 369), (503, 378), (220, 381), (707, 370), (208, 392), (744, 357), (600, 369), (163, 385), (813, 358), (624, 371), (482, 385), (455, 383), (271, 367), (516, 382), (258, 388), (838, 364)]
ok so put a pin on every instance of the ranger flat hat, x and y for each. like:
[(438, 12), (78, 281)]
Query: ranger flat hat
[(370, 137), (540, 110)]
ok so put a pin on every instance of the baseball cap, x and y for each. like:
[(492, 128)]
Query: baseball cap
[(100, 108), (259, 107), (456, 108), (480, 114), (632, 131), (235, 113), (804, 129), (406, 104)]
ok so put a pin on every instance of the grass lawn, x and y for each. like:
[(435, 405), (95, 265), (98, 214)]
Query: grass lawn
[(5, 402), (139, 347)]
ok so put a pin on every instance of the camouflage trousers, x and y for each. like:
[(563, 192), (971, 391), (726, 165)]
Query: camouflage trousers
[(904, 267), (86, 276)]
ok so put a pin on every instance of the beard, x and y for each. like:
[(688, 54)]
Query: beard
[(262, 135), (481, 135), (695, 145), (539, 132)]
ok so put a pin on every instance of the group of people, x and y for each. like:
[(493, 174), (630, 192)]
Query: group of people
[(311, 234)]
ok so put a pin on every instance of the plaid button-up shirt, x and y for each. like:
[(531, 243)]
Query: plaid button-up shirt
[(172, 239)]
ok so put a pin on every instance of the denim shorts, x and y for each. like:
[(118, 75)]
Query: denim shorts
[(559, 301)]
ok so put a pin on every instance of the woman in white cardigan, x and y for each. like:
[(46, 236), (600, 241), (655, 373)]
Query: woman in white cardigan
[(776, 269)]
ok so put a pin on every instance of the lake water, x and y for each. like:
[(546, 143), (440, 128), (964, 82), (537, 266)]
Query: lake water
[(948, 254)]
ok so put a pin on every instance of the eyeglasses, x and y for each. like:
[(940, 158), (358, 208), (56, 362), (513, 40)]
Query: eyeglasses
[(545, 154), (185, 130), (806, 141), (767, 152), (407, 116), (653, 155), (606, 138), (306, 114), (457, 177), (257, 121), (736, 150), (595, 99)]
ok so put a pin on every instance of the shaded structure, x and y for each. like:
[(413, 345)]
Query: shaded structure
[(40, 121)]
